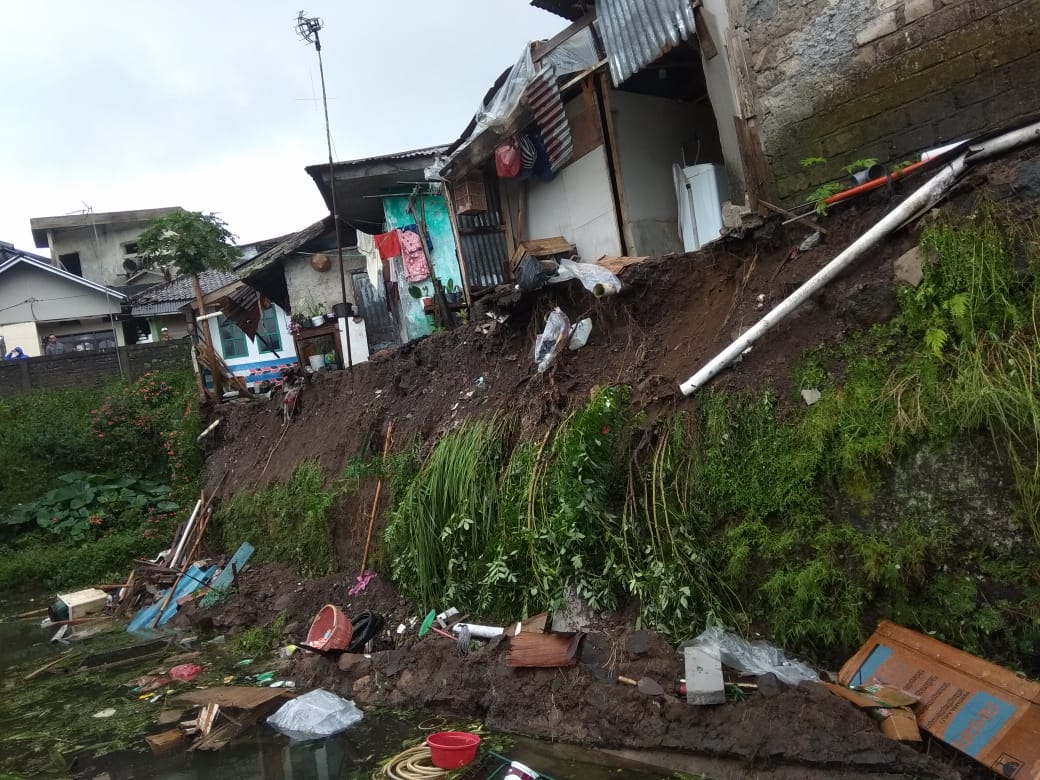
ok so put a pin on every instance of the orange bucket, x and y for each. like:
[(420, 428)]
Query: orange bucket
[(330, 630), (452, 749)]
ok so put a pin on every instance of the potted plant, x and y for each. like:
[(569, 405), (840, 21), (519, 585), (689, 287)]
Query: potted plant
[(419, 293), (315, 312), (451, 292)]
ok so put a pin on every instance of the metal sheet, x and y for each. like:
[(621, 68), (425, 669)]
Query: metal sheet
[(483, 242), (637, 32)]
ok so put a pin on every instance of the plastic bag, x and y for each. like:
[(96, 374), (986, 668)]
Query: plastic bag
[(315, 715), (507, 160), (580, 334), (549, 344), (593, 277), (755, 658)]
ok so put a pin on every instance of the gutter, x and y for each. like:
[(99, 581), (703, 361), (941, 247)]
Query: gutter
[(920, 201)]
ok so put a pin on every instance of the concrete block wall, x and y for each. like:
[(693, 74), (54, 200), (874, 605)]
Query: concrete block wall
[(78, 368), (853, 79)]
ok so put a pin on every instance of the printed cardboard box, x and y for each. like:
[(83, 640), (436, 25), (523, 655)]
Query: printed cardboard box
[(979, 708)]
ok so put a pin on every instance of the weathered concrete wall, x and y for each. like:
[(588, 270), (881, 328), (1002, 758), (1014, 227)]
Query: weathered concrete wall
[(78, 368), (852, 79), (101, 250), (307, 286)]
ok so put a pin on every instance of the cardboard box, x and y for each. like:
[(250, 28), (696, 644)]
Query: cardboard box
[(84, 602), (891, 708), (983, 710)]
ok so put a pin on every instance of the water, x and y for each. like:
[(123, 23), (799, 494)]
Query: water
[(46, 729)]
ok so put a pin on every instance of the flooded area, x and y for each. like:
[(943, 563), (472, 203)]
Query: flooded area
[(49, 724)]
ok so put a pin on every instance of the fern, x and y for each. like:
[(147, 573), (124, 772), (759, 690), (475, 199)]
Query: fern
[(935, 339), (957, 306)]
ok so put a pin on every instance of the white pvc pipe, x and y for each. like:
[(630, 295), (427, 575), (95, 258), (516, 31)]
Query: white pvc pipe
[(479, 632), (184, 537), (924, 198)]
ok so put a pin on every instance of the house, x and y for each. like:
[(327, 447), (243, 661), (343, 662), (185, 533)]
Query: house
[(382, 196), (101, 247), (375, 196), (836, 81), (646, 119), (38, 299)]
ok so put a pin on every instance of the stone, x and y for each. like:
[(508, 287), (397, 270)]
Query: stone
[(769, 686), (639, 643), (909, 268), (389, 662), (811, 396), (354, 664), (880, 27), (284, 602), (704, 683), (915, 9)]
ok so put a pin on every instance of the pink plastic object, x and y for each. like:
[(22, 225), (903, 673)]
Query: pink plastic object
[(452, 749), (330, 630), (185, 672)]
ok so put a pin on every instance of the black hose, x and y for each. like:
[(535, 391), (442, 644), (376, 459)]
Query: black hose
[(366, 627)]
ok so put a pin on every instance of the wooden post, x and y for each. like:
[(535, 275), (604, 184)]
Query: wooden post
[(453, 220), (207, 348), (375, 503)]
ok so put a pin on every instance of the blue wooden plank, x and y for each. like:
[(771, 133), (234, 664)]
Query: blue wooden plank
[(226, 577), (193, 579)]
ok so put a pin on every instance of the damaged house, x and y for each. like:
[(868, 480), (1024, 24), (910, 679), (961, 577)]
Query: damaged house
[(630, 131)]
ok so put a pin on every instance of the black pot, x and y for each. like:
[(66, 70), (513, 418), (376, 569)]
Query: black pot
[(343, 309)]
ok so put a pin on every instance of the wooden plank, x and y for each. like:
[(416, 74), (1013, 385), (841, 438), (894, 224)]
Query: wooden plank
[(616, 264), (704, 37), (234, 696), (547, 651), (756, 176), (603, 89), (165, 741), (806, 218), (583, 117)]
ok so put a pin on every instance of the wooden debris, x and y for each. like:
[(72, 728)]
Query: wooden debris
[(531, 649), (168, 717), (165, 741), (616, 265), (541, 247), (233, 696)]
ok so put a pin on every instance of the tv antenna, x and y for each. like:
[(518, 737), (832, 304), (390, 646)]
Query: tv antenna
[(308, 27)]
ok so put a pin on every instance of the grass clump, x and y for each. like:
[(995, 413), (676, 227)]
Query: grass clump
[(288, 523), (259, 641)]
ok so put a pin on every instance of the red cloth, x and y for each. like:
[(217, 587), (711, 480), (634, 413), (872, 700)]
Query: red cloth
[(388, 244)]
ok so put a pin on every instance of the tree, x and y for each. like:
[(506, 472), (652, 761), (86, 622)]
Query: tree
[(194, 242)]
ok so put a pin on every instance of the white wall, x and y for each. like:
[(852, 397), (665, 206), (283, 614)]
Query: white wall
[(721, 94), (24, 335), (650, 135), (577, 205), (54, 298)]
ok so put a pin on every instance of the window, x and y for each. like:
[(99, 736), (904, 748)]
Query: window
[(268, 333), (71, 263), (232, 339), (130, 248)]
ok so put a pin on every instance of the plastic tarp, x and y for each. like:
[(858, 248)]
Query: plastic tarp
[(755, 658), (315, 715)]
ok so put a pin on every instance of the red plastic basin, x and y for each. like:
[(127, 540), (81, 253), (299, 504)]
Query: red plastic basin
[(452, 749), (330, 630)]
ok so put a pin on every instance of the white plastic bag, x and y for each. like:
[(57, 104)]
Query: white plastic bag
[(756, 658), (580, 334), (550, 342), (315, 715), (593, 277)]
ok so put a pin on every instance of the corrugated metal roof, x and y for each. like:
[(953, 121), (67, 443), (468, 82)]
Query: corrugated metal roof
[(637, 32), (568, 9), (155, 309), (543, 96)]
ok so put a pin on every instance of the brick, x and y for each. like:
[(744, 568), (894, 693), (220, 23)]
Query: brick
[(984, 87), (915, 9), (883, 25), (946, 21), (911, 141), (930, 109), (962, 124), (893, 45)]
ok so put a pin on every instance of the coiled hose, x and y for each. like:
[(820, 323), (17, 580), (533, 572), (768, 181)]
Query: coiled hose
[(412, 764)]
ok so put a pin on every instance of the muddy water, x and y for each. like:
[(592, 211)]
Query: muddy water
[(48, 731)]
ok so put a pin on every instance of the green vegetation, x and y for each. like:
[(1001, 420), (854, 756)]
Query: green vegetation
[(259, 641), (751, 511), (289, 523), (93, 478)]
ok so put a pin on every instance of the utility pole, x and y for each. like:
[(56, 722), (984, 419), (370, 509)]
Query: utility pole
[(308, 28)]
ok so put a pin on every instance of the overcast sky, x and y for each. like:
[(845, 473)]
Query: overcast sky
[(215, 106)]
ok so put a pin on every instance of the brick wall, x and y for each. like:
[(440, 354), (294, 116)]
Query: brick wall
[(853, 79), (79, 368)]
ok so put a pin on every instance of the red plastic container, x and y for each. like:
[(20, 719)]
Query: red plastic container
[(330, 630), (452, 749)]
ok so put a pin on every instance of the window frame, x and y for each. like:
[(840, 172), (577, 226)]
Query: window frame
[(231, 334), (263, 328)]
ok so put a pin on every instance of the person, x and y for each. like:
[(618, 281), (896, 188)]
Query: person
[(54, 347), (165, 334), (16, 354)]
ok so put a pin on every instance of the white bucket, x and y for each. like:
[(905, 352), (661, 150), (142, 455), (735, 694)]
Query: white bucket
[(521, 772), (317, 362)]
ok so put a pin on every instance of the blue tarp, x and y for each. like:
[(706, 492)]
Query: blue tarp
[(193, 579)]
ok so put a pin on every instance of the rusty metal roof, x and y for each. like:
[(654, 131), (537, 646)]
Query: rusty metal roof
[(637, 32), (568, 9)]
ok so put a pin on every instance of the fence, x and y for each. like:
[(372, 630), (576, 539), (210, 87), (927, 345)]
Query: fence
[(78, 368)]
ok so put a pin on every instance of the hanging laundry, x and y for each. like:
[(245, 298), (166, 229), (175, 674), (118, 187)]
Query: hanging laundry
[(416, 266), (389, 244), (414, 229), (366, 245)]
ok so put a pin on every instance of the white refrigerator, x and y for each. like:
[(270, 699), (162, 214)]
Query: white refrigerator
[(701, 191)]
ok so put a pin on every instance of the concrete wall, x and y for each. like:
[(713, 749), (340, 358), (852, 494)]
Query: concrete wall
[(719, 80), (55, 298), (577, 205), (101, 256), (850, 79), (78, 368), (24, 335), (444, 260), (650, 135), (307, 286)]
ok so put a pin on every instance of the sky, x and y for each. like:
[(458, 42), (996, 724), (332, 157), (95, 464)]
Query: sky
[(216, 106)]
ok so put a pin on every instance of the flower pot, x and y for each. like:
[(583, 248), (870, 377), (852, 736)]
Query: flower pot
[(427, 303), (452, 297), (317, 362), (318, 321)]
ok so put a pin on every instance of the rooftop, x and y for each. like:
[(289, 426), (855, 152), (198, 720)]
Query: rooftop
[(41, 225)]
